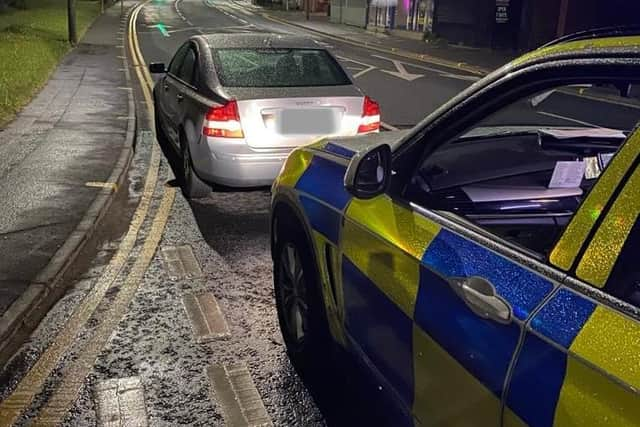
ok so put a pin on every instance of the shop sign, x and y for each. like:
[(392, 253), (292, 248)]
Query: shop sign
[(502, 11)]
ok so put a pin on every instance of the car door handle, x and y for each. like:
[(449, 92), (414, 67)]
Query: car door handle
[(166, 86), (480, 296), (179, 97)]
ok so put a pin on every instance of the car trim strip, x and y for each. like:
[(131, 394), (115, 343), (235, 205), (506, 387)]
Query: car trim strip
[(566, 250), (603, 251)]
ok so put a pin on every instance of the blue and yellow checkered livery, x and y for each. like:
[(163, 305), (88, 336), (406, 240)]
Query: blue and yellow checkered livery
[(562, 360)]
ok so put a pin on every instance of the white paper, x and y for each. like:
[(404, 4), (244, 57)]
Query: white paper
[(584, 132), (592, 167), (567, 175), (605, 158), (499, 193)]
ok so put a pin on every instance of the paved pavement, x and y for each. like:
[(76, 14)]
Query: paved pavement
[(60, 162)]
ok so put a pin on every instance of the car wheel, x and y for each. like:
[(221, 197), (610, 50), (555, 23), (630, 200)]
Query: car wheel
[(192, 186), (162, 138), (299, 303)]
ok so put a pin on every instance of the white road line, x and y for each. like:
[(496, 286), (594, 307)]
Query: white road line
[(344, 58), (363, 72), (558, 116), (368, 68)]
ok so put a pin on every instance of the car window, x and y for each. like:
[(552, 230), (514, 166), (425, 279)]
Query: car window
[(278, 68), (176, 62), (186, 72), (523, 171)]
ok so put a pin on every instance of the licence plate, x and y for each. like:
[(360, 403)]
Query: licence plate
[(316, 121)]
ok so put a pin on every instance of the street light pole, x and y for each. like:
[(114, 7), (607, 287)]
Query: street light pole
[(71, 21)]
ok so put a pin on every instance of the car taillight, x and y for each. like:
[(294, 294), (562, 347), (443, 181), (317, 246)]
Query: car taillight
[(370, 116), (223, 121)]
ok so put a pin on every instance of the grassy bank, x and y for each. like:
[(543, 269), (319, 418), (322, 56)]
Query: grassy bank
[(32, 42)]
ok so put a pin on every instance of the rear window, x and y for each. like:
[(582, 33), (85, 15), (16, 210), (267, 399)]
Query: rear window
[(278, 68)]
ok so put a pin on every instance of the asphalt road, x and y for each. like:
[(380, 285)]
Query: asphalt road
[(126, 315), (407, 90)]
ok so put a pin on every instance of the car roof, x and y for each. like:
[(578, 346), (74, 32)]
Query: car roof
[(581, 46), (260, 40)]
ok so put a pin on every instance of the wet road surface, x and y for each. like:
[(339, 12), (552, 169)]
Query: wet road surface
[(125, 315)]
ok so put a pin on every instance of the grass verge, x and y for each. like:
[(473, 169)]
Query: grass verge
[(32, 42)]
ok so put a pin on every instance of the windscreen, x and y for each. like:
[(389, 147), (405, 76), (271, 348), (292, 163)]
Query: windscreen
[(278, 68)]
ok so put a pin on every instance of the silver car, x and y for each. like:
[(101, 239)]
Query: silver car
[(235, 105)]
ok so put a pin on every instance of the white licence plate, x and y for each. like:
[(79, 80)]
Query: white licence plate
[(316, 121)]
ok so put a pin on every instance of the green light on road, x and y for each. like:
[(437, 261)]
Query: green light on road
[(163, 29)]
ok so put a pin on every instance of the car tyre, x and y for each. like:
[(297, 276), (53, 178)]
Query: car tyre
[(301, 314), (161, 136), (192, 186)]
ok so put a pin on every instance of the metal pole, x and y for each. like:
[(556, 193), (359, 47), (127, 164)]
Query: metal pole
[(71, 22), (561, 27), (121, 7), (306, 4)]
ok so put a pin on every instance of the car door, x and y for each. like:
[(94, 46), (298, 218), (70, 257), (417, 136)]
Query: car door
[(185, 88), (169, 90), (581, 354), (437, 301), (402, 270)]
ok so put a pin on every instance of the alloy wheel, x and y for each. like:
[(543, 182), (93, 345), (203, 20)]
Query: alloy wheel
[(293, 294)]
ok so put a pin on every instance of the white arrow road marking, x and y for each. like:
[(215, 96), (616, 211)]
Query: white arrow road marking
[(441, 73), (402, 72), (368, 67)]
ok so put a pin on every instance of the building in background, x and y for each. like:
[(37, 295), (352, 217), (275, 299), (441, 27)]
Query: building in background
[(350, 12), (499, 24)]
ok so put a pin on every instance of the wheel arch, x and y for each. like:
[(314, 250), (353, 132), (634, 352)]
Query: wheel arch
[(284, 207)]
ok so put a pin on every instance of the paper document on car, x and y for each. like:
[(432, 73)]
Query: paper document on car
[(584, 133), (567, 174)]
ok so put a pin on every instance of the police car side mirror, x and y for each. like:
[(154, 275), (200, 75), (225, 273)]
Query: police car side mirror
[(369, 172)]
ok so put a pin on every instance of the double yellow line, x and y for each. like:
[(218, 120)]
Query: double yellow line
[(55, 411)]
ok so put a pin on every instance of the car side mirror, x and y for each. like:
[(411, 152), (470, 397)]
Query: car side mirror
[(369, 172), (157, 68)]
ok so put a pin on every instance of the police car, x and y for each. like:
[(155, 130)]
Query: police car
[(482, 266)]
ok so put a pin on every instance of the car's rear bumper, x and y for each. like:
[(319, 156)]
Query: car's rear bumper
[(233, 163)]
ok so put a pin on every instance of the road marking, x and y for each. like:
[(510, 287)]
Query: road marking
[(75, 373), (438, 71), (558, 116), (120, 402), (181, 263), (240, 8), (207, 320), (162, 28), (368, 68), (32, 383), (112, 185), (363, 72), (238, 396), (402, 72)]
